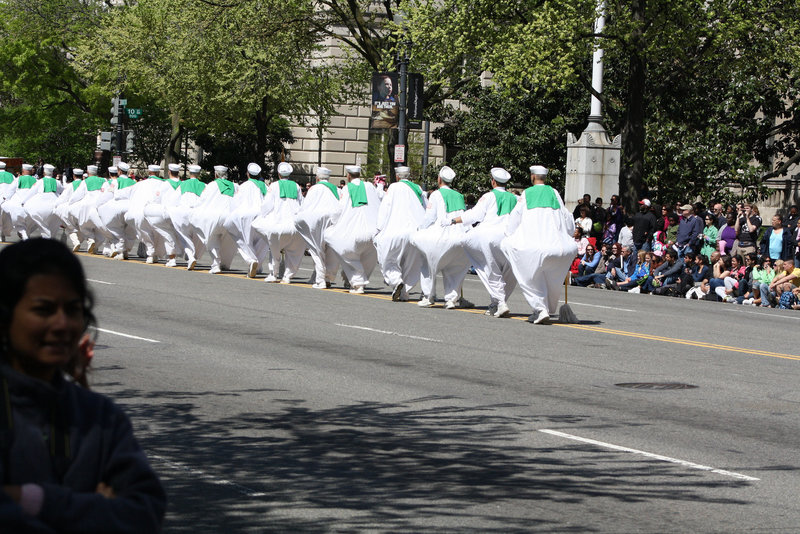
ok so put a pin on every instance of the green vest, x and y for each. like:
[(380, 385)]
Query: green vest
[(125, 181), (192, 185), (49, 184), (288, 188), (154, 177), (358, 194), (332, 188), (76, 183), (174, 183), (506, 202), (415, 188), (6, 177), (93, 183), (26, 182), (260, 184), (226, 187), (453, 200), (541, 196)]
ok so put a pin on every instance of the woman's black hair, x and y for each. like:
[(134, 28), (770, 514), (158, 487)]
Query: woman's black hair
[(25, 259)]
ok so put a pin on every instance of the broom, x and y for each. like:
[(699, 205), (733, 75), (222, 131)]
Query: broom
[(565, 314)]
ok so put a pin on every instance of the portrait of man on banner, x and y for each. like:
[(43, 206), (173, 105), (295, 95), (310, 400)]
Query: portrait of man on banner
[(384, 100)]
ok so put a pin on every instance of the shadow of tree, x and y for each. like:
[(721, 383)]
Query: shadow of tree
[(427, 464)]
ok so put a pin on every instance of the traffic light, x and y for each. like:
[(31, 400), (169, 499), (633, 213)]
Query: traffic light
[(129, 138), (115, 110)]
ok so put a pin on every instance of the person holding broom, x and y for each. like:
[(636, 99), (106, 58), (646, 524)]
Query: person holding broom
[(539, 245)]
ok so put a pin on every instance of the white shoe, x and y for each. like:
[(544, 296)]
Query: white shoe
[(450, 305), (191, 265), (424, 302), (113, 254), (76, 247), (398, 290), (270, 278), (321, 285), (286, 280), (542, 318), (150, 259), (92, 248), (215, 270), (357, 290), (502, 310), (172, 263), (491, 309), (251, 272)]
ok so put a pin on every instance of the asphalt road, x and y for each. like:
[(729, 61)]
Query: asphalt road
[(281, 408)]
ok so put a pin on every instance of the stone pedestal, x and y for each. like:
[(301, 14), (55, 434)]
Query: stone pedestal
[(592, 165)]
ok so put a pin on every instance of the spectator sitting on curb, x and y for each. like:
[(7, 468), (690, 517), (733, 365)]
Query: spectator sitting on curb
[(640, 273), (665, 275), (621, 269), (786, 280)]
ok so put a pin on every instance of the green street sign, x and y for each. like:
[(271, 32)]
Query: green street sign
[(134, 113)]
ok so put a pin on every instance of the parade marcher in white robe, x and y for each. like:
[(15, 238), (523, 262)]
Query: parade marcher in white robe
[(208, 220), (41, 205), (157, 215), (441, 243), (320, 205), (539, 245), (350, 236), (276, 224), (181, 215), (246, 207), (8, 186), (399, 217), (149, 191), (120, 235), (15, 206), (94, 191), (62, 206), (482, 243)]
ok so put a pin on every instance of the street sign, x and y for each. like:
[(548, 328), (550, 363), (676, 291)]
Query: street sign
[(399, 153), (123, 101), (105, 136), (134, 113)]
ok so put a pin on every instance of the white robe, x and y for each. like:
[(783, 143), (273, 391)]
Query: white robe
[(319, 207), (6, 192), (540, 247), (41, 209), (112, 214), (276, 225), (15, 208), (399, 217), (482, 245), (181, 216), (442, 249), (208, 222), (350, 236), (146, 192), (245, 208), (158, 217), (63, 212), (83, 206)]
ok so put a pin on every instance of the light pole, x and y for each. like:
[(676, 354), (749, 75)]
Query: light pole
[(402, 59)]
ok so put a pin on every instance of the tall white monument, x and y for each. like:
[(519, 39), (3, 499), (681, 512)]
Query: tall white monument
[(593, 159)]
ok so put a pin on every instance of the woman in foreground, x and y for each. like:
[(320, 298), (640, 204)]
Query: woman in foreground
[(68, 458)]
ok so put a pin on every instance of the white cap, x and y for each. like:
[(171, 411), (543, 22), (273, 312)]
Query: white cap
[(538, 170), (123, 167), (91, 169), (48, 169), (113, 170), (194, 169), (2, 164), (77, 172), (645, 201), (154, 169), (174, 167), (254, 169), (402, 172), (284, 169), (27, 167), (500, 175), (355, 170), (221, 169), (323, 172), (447, 174)]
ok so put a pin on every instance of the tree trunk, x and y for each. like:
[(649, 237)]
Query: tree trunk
[(172, 152), (631, 179), (262, 119)]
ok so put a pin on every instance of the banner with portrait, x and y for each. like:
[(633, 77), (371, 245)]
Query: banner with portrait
[(385, 107)]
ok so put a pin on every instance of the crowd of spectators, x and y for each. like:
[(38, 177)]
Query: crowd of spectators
[(721, 253)]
